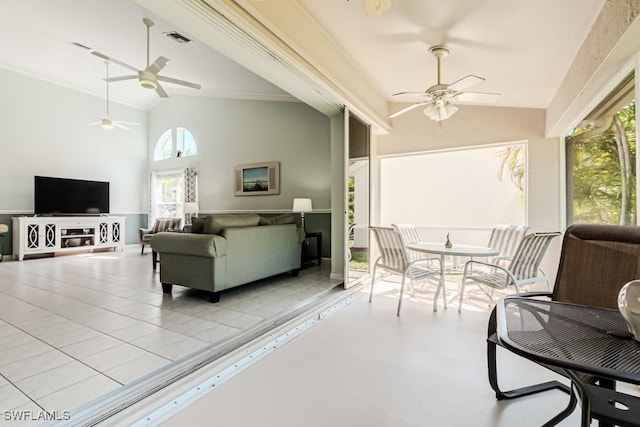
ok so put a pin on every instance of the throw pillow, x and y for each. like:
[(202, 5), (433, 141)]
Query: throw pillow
[(161, 224), (283, 219), (216, 223), (197, 224)]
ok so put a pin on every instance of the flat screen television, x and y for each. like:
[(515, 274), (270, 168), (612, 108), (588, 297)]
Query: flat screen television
[(63, 196)]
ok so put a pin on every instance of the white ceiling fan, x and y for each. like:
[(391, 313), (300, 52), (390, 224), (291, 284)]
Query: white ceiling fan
[(106, 121), (440, 98), (148, 78)]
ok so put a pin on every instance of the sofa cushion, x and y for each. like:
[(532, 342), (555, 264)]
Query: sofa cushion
[(197, 224), (277, 220), (216, 223)]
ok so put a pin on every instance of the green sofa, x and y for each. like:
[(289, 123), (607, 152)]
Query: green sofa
[(224, 251)]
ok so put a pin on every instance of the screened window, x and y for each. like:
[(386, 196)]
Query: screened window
[(175, 142), (477, 187), (168, 190), (601, 162)]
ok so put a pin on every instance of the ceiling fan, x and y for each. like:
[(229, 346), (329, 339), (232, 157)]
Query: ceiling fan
[(106, 121), (148, 78), (439, 98)]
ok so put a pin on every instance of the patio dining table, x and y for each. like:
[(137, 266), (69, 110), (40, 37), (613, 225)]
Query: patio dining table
[(443, 251)]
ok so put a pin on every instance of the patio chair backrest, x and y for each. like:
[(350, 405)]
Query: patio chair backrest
[(392, 252), (526, 261), (595, 262), (506, 238), (409, 234)]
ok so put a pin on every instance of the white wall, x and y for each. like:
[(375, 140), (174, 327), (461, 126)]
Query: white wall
[(44, 131), (234, 132), (474, 126)]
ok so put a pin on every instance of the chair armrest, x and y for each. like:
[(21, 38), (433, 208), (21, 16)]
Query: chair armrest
[(203, 245), (495, 267), (142, 232)]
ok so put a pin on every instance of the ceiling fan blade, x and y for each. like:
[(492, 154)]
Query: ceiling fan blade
[(179, 82), (425, 94), (94, 123), (478, 97), (119, 125), (465, 82), (161, 92), (407, 109), (158, 65), (119, 79), (126, 123), (114, 61)]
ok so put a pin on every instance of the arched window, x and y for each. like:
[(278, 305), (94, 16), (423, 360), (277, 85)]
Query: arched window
[(175, 142)]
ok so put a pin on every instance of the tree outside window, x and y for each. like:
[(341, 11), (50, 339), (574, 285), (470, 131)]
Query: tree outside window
[(601, 171)]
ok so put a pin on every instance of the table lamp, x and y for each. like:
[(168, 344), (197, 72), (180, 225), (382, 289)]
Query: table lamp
[(301, 206), (191, 208)]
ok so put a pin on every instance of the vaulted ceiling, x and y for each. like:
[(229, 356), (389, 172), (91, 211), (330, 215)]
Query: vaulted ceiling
[(522, 49)]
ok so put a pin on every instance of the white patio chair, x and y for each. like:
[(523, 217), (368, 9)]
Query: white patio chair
[(523, 269), (506, 238), (409, 234), (394, 258)]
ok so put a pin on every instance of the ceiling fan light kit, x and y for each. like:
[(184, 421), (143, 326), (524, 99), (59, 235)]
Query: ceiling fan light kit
[(148, 80), (107, 124), (440, 97)]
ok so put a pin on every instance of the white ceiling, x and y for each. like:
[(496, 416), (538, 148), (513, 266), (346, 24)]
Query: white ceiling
[(522, 48), (36, 36)]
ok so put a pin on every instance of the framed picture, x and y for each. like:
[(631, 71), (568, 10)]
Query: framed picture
[(257, 179)]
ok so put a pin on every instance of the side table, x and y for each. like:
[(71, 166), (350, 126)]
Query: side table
[(307, 242)]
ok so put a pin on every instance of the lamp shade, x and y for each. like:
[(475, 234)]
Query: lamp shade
[(191, 207), (302, 205)]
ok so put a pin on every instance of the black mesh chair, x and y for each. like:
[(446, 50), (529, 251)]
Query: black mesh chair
[(595, 262)]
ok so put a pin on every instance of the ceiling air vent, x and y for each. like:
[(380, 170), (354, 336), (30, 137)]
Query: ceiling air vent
[(177, 37)]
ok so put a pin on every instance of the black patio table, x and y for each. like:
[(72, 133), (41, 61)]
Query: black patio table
[(576, 339)]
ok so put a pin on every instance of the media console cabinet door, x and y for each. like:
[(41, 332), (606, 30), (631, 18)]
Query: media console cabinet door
[(35, 235)]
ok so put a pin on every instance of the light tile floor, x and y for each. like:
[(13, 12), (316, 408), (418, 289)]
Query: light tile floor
[(75, 327), (365, 366)]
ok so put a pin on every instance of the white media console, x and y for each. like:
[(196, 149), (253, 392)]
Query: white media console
[(38, 235)]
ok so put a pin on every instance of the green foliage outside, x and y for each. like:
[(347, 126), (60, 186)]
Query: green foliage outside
[(512, 162), (603, 176), (359, 261)]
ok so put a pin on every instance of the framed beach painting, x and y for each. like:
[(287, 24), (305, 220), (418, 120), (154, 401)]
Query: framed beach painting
[(257, 179)]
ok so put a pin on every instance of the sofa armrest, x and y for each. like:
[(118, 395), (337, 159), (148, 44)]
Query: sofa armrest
[(203, 245)]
